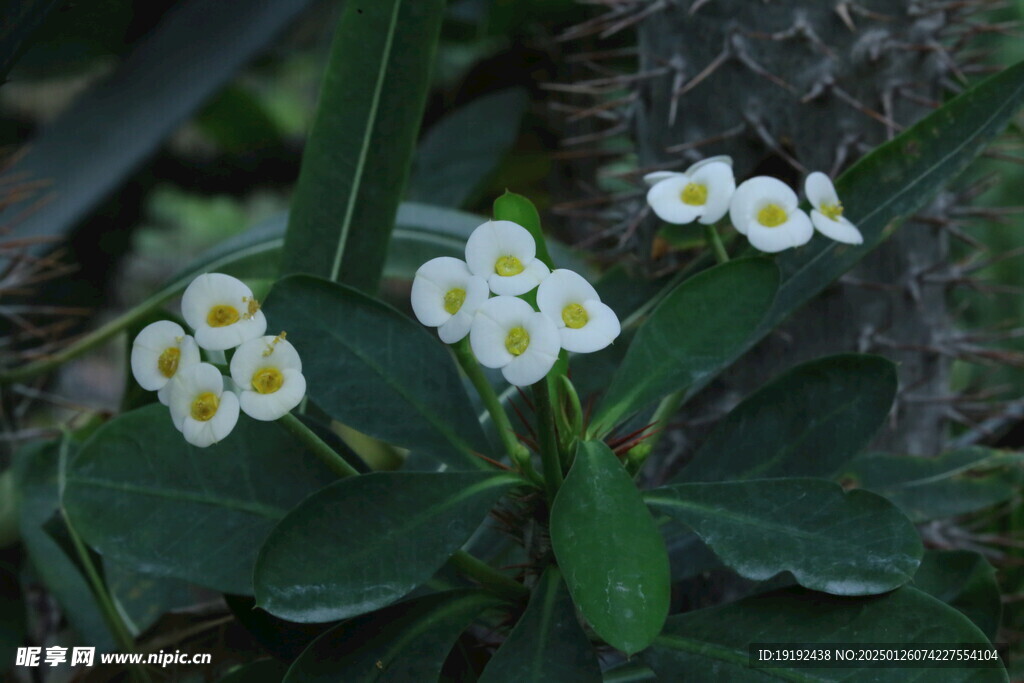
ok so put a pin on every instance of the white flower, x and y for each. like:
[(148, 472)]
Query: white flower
[(268, 374), (158, 352), (827, 214), (200, 408), (701, 193), (766, 211), (222, 311), (584, 323), (508, 334), (504, 253), (445, 294)]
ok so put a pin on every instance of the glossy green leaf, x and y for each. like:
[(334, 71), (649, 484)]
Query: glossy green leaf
[(518, 209), (139, 494), (357, 158), (712, 644), (128, 115), (808, 422), (465, 147), (283, 639), (853, 543), (364, 542), (965, 580), (36, 470), (547, 644), (955, 483), (144, 598), (695, 332), (377, 371), (609, 550), (405, 643)]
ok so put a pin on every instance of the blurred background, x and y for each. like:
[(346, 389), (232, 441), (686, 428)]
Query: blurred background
[(177, 124)]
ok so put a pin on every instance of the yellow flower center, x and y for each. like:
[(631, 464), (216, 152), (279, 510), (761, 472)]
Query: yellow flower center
[(167, 364), (772, 216), (205, 406), (833, 211), (508, 266), (267, 380), (454, 299), (222, 315), (517, 341), (575, 316), (695, 195)]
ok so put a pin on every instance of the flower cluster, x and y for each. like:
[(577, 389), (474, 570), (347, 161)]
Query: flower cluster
[(505, 331), (764, 209), (266, 373)]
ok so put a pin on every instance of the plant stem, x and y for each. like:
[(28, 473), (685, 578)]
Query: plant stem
[(715, 242), (548, 444), (317, 445), (516, 451), (487, 576), (103, 599)]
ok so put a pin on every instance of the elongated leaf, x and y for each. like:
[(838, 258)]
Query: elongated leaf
[(405, 643), (853, 543), (695, 332), (952, 484), (144, 598), (712, 644), (138, 493), (609, 549), (145, 99), (357, 157), (37, 475), (465, 147), (372, 368), (547, 644), (808, 422), (965, 580), (364, 542)]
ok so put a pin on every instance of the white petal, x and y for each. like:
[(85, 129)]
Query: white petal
[(189, 353), (666, 200), (719, 159), (753, 194), (444, 271), (528, 369), (491, 326), (188, 384), (721, 184), (230, 336), (267, 407), (514, 285), (477, 292), (145, 368), (561, 288), (203, 434), (602, 329), (658, 176), (544, 337), (208, 290), (820, 190), (841, 231), (795, 232), (456, 328), (495, 239), (159, 335), (427, 300), (263, 352)]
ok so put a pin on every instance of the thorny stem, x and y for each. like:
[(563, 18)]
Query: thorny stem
[(517, 452), (317, 446), (548, 443), (487, 576), (106, 604)]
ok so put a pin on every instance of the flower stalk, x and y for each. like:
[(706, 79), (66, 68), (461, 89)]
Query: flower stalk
[(317, 446), (552, 462)]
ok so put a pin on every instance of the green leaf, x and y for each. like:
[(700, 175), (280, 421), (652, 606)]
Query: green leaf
[(405, 643), (547, 644), (712, 644), (465, 147), (518, 209), (139, 494), (965, 580), (808, 422), (285, 640), (364, 542), (144, 598), (696, 331), (155, 88), (609, 549), (36, 475), (955, 483), (357, 157), (896, 180), (853, 543), (377, 371)]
